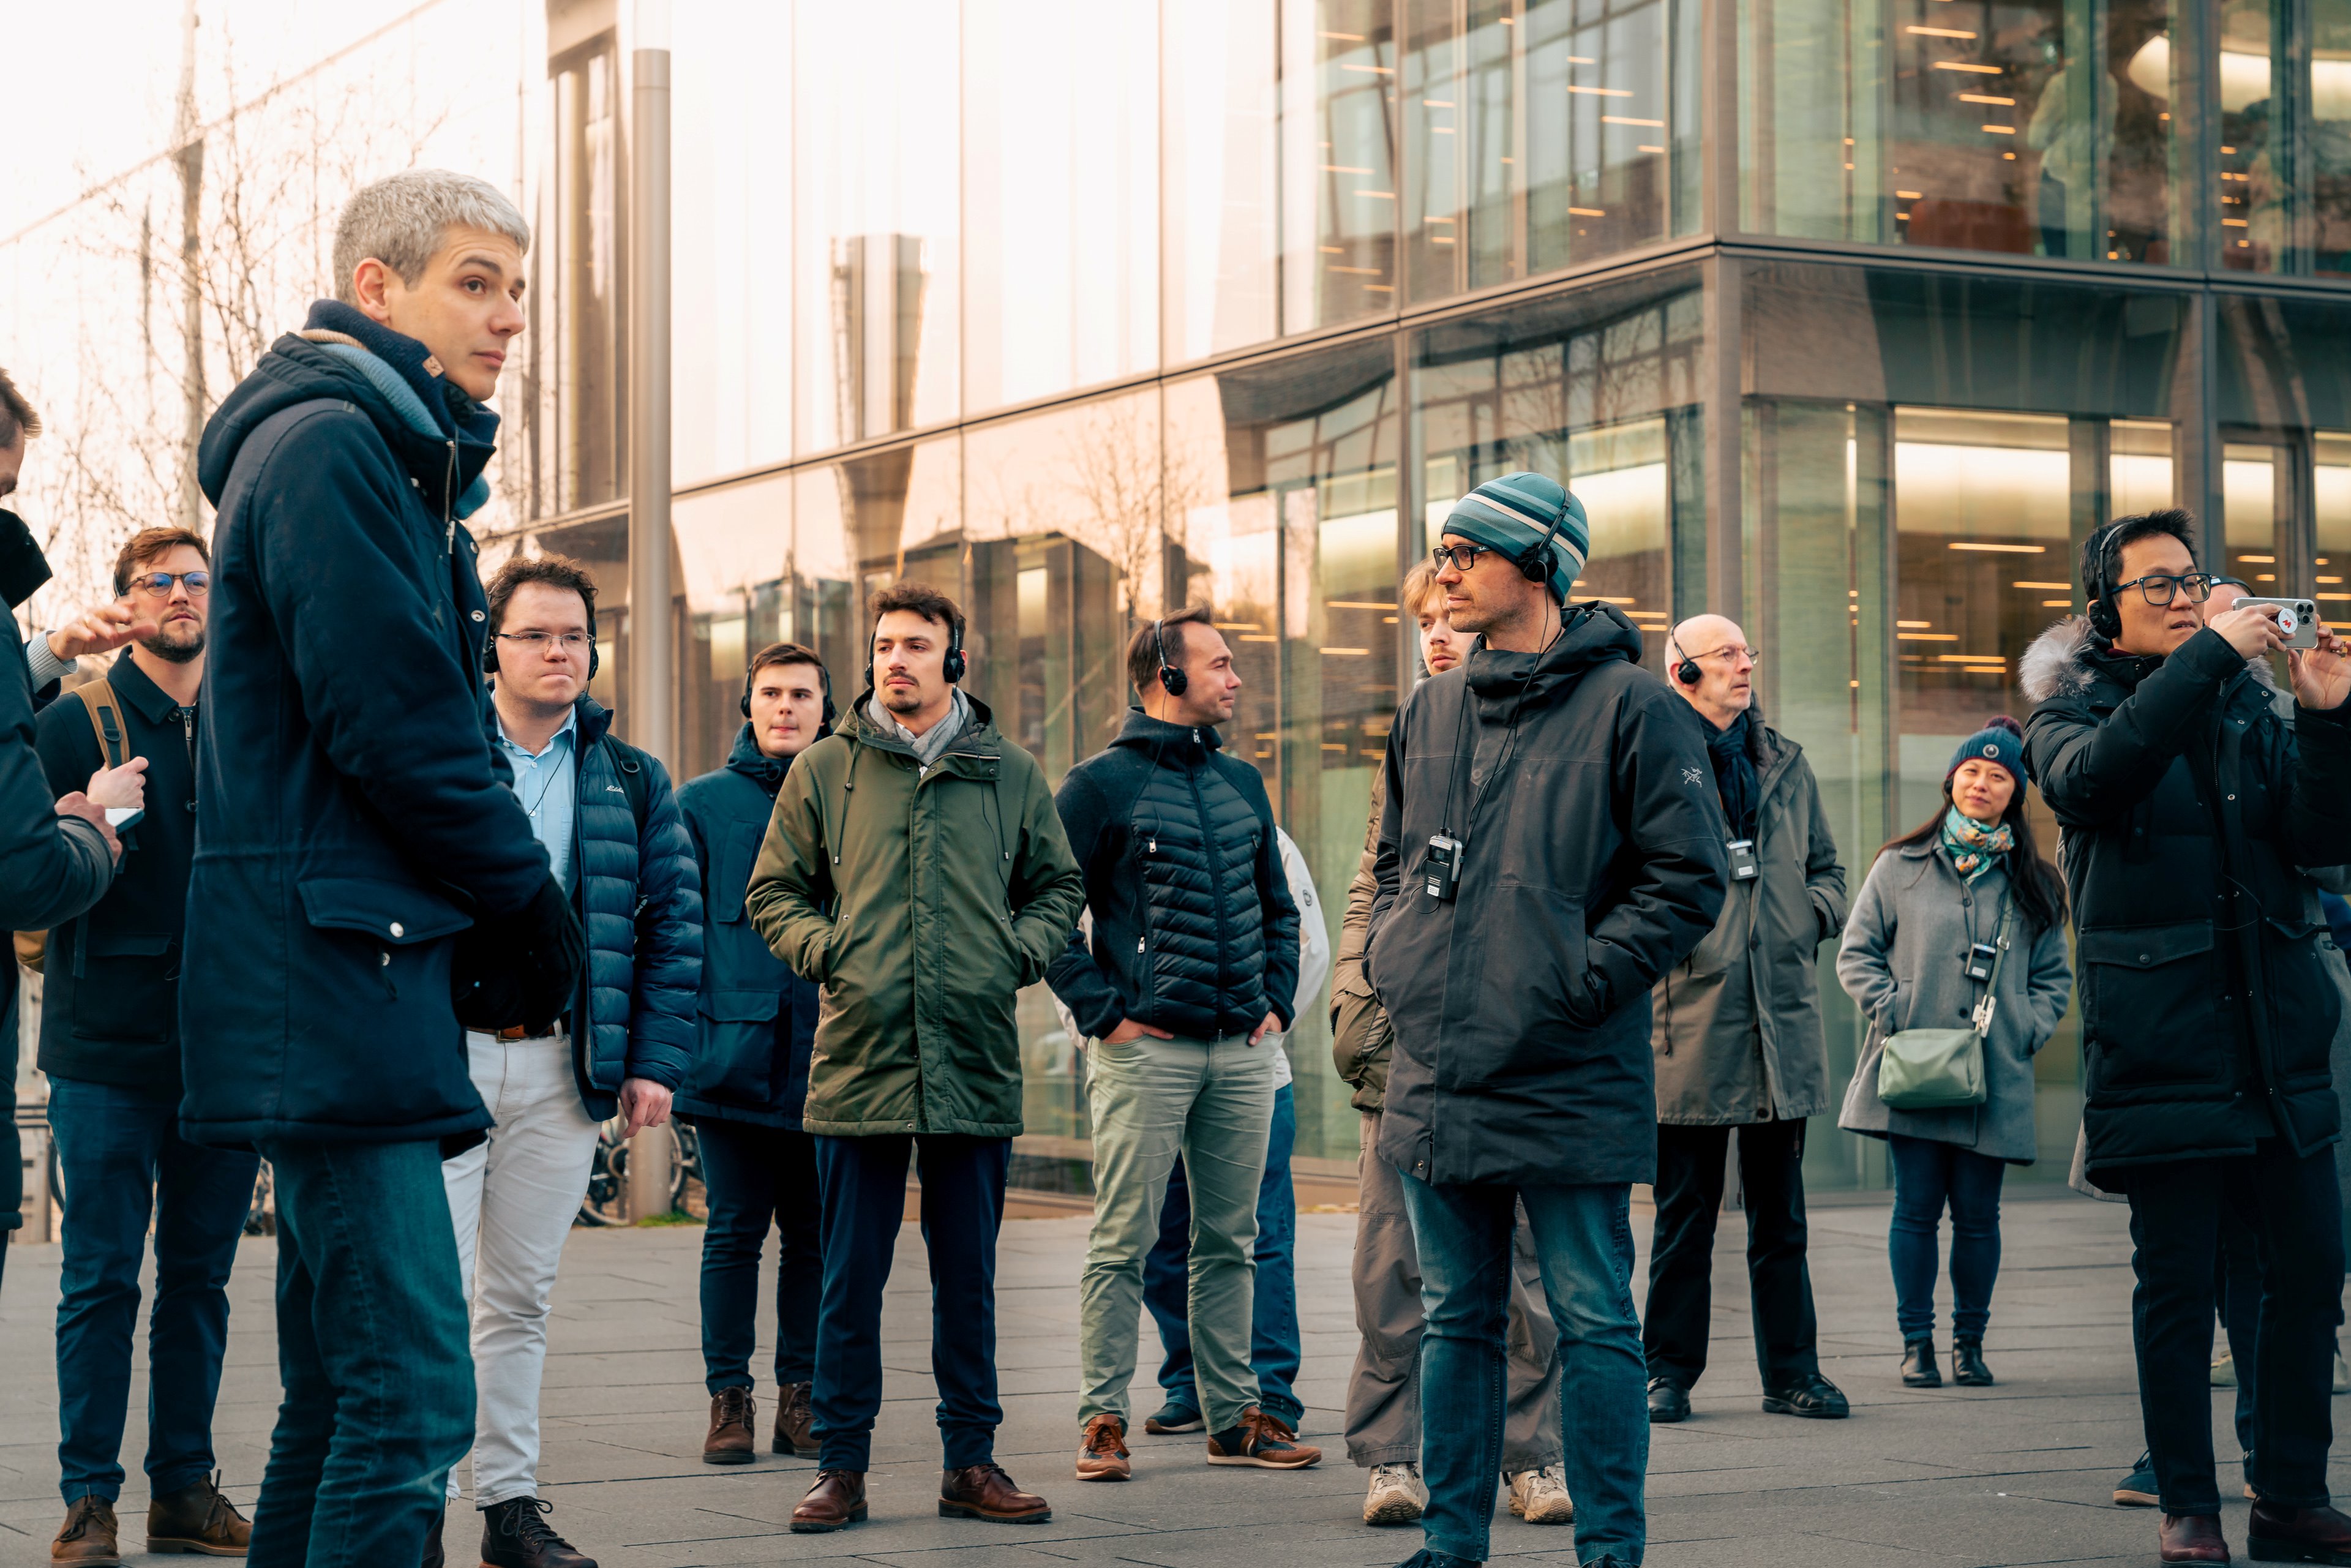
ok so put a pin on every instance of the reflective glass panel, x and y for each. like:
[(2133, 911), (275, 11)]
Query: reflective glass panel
[(2286, 136), (1221, 284), (733, 581), (858, 526), (875, 197), (1061, 196), (579, 432), (2024, 126), (730, 227), (1338, 160), (2331, 498)]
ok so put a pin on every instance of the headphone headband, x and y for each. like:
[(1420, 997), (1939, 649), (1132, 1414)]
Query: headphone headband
[(1172, 680)]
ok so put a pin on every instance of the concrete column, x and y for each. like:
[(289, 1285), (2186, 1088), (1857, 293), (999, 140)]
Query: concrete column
[(649, 713)]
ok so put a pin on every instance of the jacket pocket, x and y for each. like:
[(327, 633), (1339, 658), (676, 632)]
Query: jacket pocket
[(2305, 1006), (1359, 1035), (379, 938), (124, 986), (2148, 995), (736, 1063), (1538, 964)]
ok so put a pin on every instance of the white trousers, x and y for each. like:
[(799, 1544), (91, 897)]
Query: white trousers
[(513, 1200)]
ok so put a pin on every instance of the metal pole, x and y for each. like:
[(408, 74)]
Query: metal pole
[(651, 693)]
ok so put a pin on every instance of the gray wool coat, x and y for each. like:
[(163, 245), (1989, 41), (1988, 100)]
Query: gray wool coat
[(1901, 962), (1736, 1026)]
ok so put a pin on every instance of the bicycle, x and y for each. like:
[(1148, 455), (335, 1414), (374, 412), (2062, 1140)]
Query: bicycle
[(606, 1202)]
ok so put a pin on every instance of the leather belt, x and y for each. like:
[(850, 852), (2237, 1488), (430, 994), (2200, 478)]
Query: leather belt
[(517, 1031)]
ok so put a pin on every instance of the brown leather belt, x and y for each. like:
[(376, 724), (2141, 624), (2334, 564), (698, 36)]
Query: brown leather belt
[(516, 1032)]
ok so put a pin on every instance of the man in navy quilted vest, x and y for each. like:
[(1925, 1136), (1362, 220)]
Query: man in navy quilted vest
[(611, 831), (1191, 966)]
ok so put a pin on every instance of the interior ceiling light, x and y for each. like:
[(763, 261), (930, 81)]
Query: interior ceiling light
[(2245, 78)]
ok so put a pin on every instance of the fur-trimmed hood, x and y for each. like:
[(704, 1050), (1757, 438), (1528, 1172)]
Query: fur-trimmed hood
[(2058, 664)]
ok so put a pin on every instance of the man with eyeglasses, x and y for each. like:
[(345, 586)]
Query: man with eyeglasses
[(616, 841), (2188, 803), (110, 1046), (1739, 1046)]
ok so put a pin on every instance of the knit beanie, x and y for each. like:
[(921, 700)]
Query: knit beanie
[(2000, 740), (1517, 510)]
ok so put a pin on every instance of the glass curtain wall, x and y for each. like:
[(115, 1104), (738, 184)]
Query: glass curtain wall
[(1339, 164), (733, 576), (1219, 149), (1935, 474), (2284, 143), (2034, 127), (578, 358)]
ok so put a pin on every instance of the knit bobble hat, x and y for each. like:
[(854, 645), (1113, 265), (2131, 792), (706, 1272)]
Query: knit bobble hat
[(1516, 511), (2000, 740)]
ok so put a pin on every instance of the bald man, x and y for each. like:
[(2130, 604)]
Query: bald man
[(1737, 1031)]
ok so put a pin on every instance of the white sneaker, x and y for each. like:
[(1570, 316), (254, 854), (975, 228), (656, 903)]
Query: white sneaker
[(1540, 1497), (1396, 1495)]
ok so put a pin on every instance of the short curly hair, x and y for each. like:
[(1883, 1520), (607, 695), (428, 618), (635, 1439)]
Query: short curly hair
[(555, 570)]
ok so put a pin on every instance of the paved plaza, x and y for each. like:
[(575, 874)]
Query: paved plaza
[(2012, 1475)]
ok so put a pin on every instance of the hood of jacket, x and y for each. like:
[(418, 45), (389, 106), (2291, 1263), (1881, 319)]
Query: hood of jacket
[(442, 437), (2070, 658), (978, 734), (1593, 634), (745, 758)]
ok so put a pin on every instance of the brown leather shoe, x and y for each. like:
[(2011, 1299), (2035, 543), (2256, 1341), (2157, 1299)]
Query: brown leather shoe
[(1101, 1452), (1263, 1440), (733, 1419), (2276, 1535), (87, 1536), (794, 1422), (985, 1492), (835, 1503), (2190, 1538), (197, 1519)]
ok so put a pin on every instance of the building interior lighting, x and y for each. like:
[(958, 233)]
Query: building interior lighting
[(1627, 120), (1370, 70), (1939, 32), (1344, 38), (1437, 103), (1345, 653), (2260, 560), (2056, 605), (1601, 91), (2001, 130), (2053, 587), (1644, 147), (1987, 98), (1588, 212), (1925, 636), (1359, 604), (1343, 169), (1972, 658), (1965, 66), (1378, 196), (1239, 626), (1909, 195), (1915, 625), (2010, 156), (1581, 60), (2005, 549)]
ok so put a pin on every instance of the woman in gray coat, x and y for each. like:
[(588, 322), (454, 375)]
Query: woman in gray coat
[(1933, 895)]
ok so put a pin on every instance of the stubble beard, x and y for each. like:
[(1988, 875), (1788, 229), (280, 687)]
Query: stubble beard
[(164, 646)]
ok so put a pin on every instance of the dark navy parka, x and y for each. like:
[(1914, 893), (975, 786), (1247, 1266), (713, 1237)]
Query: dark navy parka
[(757, 1023), (350, 818)]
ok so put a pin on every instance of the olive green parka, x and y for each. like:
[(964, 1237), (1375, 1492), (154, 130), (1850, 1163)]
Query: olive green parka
[(922, 900)]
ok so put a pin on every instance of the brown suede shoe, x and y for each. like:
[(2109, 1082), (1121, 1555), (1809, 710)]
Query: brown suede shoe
[(734, 1418), (197, 1519), (985, 1492), (1263, 1440), (835, 1503), (2190, 1538), (2276, 1535), (87, 1536), (1101, 1452), (794, 1422)]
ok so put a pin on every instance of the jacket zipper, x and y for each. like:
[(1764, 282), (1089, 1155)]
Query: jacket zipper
[(449, 502)]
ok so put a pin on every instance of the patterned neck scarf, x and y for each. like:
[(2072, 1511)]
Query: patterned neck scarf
[(1974, 848)]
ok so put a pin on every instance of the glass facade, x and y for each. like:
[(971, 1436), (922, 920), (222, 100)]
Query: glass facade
[(1086, 315)]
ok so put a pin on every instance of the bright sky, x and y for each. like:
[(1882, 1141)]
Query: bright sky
[(97, 79)]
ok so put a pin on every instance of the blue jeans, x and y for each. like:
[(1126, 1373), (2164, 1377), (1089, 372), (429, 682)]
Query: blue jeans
[(864, 1200), (124, 1163), (371, 1352), (1584, 1240), (1927, 1176), (1273, 1310), (758, 1177)]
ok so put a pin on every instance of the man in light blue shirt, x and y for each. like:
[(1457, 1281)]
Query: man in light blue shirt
[(547, 783)]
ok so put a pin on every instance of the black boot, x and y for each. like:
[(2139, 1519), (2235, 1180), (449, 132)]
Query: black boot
[(1967, 1368), (1919, 1370), (515, 1535)]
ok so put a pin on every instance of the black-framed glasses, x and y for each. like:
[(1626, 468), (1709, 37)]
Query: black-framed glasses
[(2159, 589), (1461, 558), (158, 584), (537, 642)]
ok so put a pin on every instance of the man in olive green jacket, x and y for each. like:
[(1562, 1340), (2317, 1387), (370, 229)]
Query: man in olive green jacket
[(916, 869)]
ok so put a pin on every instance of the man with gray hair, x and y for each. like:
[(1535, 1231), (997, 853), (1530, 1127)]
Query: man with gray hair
[(371, 886)]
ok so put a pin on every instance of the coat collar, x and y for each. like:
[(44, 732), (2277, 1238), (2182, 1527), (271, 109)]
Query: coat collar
[(746, 758), (2070, 659), (139, 690), (1189, 744), (980, 738)]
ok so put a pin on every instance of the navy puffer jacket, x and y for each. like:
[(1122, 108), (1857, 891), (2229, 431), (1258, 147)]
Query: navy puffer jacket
[(641, 906), (1194, 928)]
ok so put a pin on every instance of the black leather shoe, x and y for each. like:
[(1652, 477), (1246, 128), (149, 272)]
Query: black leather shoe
[(1967, 1368), (1918, 1369), (515, 1535), (1815, 1396), (1668, 1402)]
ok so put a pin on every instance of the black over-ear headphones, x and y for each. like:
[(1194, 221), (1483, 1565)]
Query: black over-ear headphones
[(1172, 680), (595, 660), (2105, 619), (1686, 672), (1536, 563), (823, 675), (955, 661)]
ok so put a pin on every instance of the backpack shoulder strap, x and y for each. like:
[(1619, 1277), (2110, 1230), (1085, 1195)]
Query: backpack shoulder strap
[(98, 700), (629, 763)]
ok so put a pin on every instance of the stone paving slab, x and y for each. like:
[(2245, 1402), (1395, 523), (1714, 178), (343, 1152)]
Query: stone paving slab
[(2019, 1474)]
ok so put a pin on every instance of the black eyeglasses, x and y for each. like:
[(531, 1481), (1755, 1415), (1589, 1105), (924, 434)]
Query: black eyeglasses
[(2159, 589), (158, 584), (1461, 557)]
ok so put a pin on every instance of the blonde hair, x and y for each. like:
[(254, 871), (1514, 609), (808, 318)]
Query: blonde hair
[(1418, 584)]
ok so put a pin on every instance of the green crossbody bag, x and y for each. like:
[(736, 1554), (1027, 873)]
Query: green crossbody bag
[(1943, 1069)]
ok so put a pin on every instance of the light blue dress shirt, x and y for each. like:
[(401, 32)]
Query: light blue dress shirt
[(548, 785)]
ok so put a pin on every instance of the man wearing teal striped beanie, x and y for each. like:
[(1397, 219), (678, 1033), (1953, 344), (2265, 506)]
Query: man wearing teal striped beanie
[(1521, 513)]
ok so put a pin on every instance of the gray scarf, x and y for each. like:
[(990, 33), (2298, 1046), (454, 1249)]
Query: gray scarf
[(933, 742)]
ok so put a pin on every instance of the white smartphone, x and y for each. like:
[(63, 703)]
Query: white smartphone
[(123, 818)]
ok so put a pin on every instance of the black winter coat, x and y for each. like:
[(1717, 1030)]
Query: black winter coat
[(350, 818), (2186, 803), (1593, 863), (109, 1001), (1194, 927), (757, 1022)]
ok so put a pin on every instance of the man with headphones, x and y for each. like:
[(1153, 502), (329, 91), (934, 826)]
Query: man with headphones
[(916, 871), (748, 1083), (1193, 964), (2191, 809), (1550, 844), (1738, 1045), (603, 812)]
